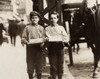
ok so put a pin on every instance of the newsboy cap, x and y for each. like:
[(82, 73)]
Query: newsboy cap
[(34, 13)]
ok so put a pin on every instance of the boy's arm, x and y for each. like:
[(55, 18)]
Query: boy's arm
[(47, 32), (24, 37), (43, 33), (66, 36)]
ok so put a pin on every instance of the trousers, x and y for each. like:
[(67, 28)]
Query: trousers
[(34, 59), (56, 59)]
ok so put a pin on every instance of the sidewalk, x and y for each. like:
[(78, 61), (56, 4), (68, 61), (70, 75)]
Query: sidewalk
[(66, 75)]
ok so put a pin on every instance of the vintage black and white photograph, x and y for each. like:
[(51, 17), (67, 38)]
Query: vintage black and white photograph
[(49, 39)]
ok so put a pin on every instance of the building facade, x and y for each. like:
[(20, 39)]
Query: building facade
[(15, 8)]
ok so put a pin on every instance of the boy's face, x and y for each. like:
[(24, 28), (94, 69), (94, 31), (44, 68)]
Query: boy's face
[(53, 18), (35, 19)]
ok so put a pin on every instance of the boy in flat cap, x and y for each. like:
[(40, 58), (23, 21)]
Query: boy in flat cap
[(55, 48), (34, 56)]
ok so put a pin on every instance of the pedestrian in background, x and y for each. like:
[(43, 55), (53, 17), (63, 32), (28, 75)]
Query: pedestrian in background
[(55, 49), (34, 54), (21, 26), (1, 31), (13, 30)]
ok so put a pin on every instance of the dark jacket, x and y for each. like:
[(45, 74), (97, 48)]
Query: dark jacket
[(1, 29), (13, 28), (21, 27)]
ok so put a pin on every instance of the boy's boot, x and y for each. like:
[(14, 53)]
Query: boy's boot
[(59, 76), (53, 77), (38, 76), (30, 75)]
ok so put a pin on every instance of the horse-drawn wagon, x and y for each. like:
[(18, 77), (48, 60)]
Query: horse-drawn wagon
[(84, 23)]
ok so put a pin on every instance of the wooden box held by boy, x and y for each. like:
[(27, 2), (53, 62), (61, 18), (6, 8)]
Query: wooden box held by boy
[(36, 41), (57, 38)]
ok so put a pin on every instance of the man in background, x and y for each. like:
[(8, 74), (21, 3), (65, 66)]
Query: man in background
[(1, 31), (13, 31)]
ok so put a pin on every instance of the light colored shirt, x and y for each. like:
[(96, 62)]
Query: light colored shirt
[(56, 31), (32, 32)]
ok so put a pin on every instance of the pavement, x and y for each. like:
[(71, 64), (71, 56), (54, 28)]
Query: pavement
[(13, 63), (83, 63)]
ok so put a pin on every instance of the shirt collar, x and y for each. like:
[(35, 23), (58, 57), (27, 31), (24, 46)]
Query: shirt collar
[(54, 25), (34, 25)]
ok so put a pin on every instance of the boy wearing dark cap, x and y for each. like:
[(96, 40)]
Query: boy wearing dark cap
[(34, 56), (55, 48)]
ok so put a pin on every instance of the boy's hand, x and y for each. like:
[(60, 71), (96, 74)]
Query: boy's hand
[(24, 42), (66, 39), (42, 45), (46, 39), (28, 43)]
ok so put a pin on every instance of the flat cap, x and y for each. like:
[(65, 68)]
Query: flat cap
[(34, 13)]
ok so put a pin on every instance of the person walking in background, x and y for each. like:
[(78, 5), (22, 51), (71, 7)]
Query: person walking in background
[(34, 54), (13, 30), (1, 31), (21, 27), (55, 49)]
